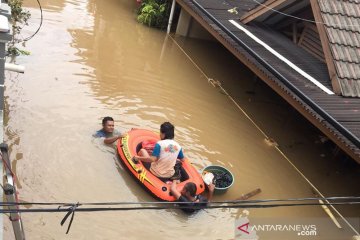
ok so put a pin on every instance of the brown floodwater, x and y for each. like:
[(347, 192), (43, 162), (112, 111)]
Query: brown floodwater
[(92, 59)]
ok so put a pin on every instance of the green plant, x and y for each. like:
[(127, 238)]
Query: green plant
[(19, 19), (154, 13), (15, 51)]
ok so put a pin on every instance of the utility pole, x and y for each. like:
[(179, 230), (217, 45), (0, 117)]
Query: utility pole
[(9, 185), (11, 194)]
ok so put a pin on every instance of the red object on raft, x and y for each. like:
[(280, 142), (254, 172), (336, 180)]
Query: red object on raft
[(126, 148)]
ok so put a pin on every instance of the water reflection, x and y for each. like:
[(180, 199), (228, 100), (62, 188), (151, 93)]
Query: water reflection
[(47, 5), (91, 59)]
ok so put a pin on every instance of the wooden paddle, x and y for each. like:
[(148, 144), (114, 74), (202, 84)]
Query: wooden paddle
[(249, 194)]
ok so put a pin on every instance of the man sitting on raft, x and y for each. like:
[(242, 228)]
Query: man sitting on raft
[(164, 155)]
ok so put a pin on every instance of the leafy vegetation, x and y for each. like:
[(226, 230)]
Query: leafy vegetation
[(19, 19), (154, 13)]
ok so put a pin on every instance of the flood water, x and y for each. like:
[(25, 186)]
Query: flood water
[(92, 59)]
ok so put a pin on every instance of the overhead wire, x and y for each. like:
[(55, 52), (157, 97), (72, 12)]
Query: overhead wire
[(38, 29), (71, 208), (352, 198), (173, 205)]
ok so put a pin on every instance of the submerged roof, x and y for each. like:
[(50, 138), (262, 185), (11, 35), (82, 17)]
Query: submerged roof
[(214, 15), (338, 23)]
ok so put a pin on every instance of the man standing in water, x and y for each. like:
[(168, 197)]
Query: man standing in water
[(108, 132)]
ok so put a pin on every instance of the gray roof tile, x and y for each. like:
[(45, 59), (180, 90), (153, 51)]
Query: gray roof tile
[(346, 54), (342, 24), (343, 38), (330, 6), (347, 70), (350, 87)]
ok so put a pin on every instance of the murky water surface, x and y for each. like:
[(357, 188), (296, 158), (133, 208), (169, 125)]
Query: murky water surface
[(92, 59)]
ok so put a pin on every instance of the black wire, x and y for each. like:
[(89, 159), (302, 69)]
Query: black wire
[(41, 21), (195, 206), (171, 203), (76, 208)]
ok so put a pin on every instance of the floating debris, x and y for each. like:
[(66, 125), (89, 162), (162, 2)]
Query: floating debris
[(215, 83), (271, 142), (233, 10), (323, 139)]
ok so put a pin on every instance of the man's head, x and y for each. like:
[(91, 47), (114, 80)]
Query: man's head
[(167, 131), (108, 124), (189, 190)]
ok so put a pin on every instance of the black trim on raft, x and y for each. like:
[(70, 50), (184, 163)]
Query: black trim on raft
[(137, 179)]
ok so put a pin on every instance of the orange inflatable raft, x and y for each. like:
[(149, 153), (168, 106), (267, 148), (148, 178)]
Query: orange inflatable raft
[(127, 150)]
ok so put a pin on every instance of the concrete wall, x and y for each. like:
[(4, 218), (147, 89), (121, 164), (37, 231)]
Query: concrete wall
[(189, 27), (5, 36)]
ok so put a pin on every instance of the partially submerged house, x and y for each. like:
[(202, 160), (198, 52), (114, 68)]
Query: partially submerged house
[(328, 29), (308, 51)]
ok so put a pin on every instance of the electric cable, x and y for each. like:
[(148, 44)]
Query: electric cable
[(352, 198), (72, 208), (174, 205), (41, 21)]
